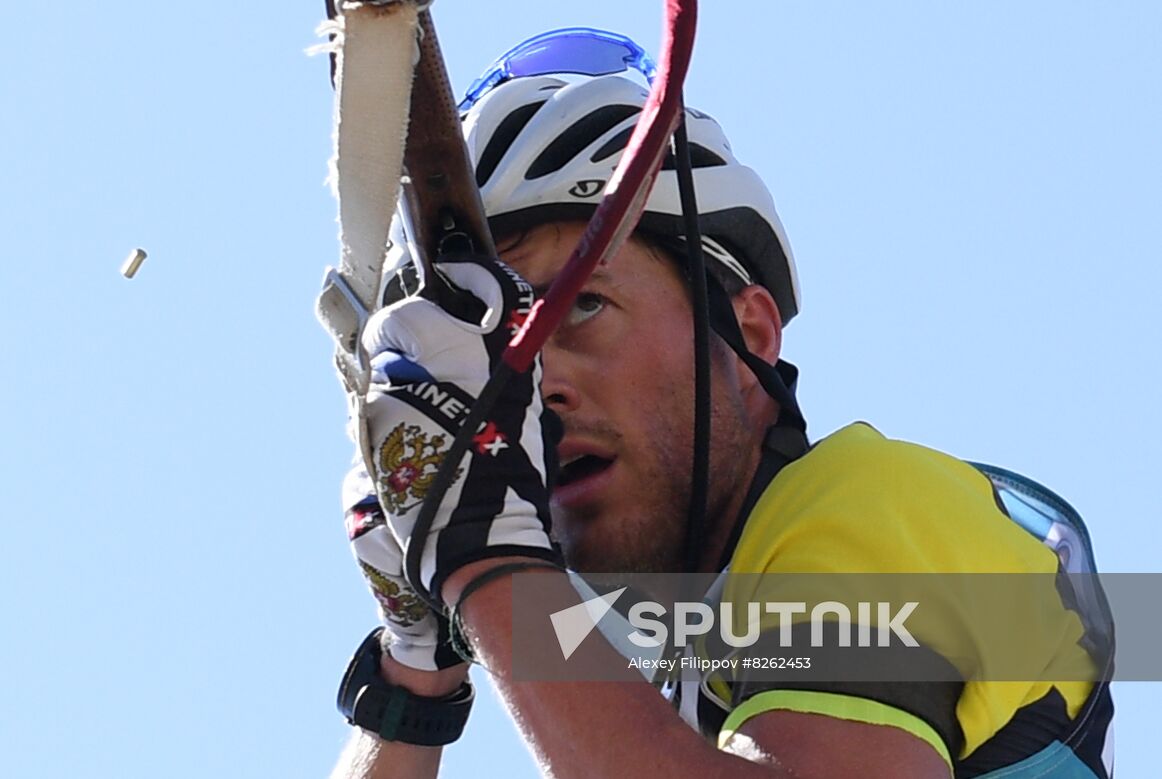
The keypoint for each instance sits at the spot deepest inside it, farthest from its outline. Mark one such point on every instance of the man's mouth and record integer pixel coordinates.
(581, 467)
(584, 474)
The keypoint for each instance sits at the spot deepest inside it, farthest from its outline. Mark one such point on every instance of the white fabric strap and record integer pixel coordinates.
(376, 51)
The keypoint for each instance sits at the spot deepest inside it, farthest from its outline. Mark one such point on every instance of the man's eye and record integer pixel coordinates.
(587, 305)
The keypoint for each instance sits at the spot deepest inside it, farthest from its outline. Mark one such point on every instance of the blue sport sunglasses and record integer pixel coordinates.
(581, 50)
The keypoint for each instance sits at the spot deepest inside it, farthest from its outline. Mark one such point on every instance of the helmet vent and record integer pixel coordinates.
(613, 145)
(700, 157)
(577, 137)
(501, 140)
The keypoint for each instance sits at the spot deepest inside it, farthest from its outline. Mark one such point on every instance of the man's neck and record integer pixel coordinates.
(721, 524)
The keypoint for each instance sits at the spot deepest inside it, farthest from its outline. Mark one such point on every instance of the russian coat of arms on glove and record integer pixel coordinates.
(396, 603)
(408, 461)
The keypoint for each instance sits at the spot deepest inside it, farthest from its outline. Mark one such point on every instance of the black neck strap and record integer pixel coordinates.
(778, 380)
(783, 442)
(781, 446)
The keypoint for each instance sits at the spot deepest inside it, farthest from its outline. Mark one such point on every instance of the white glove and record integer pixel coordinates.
(428, 367)
(418, 637)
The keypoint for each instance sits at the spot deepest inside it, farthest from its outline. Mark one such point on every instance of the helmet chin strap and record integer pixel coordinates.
(783, 442)
(700, 467)
(712, 308)
(777, 380)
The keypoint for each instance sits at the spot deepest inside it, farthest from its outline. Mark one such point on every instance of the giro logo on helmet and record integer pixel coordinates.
(586, 187)
(545, 147)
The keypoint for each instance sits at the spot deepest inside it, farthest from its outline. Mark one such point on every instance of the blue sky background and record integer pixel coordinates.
(972, 192)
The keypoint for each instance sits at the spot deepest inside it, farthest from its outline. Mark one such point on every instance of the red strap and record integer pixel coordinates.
(625, 197)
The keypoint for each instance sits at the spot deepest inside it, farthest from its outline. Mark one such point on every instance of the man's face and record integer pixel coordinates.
(619, 372)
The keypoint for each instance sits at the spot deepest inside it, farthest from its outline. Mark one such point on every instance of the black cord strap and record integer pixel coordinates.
(458, 640)
(700, 467)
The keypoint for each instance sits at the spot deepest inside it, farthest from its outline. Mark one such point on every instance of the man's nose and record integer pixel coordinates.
(557, 389)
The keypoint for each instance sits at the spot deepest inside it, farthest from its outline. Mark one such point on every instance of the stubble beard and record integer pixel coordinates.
(650, 536)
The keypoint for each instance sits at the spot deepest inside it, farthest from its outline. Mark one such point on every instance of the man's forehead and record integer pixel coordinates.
(600, 275)
(540, 254)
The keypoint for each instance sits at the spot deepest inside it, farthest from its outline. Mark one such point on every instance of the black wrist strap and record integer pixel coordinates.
(394, 713)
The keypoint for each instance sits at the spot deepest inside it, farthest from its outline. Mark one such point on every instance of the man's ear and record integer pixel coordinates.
(758, 317)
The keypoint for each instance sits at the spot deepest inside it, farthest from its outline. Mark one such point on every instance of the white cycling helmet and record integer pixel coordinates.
(544, 147)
